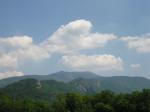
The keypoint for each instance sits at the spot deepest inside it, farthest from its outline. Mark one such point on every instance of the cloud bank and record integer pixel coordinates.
(135, 66)
(96, 63)
(10, 74)
(140, 44)
(16, 50)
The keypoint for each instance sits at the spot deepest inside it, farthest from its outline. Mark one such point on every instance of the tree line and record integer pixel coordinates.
(105, 101)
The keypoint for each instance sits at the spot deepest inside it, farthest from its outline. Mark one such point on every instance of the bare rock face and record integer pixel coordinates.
(39, 85)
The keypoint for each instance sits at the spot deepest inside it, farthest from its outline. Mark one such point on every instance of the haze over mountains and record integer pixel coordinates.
(64, 76)
(58, 76)
(46, 87)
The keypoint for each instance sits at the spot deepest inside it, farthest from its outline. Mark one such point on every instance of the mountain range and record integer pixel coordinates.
(46, 87)
(58, 76)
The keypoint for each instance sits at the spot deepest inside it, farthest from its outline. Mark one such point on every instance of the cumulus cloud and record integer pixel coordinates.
(96, 63)
(140, 44)
(68, 39)
(33, 52)
(76, 35)
(135, 66)
(7, 61)
(10, 74)
(16, 41)
(15, 50)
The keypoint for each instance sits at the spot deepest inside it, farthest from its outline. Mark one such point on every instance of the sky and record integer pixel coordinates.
(107, 37)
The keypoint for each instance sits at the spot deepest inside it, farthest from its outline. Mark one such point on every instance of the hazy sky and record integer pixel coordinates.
(108, 37)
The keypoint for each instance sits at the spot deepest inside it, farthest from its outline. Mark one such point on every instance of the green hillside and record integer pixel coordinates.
(40, 90)
(58, 76)
(49, 89)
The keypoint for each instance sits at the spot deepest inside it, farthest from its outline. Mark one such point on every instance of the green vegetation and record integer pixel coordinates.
(88, 81)
(76, 94)
(49, 89)
(58, 76)
(35, 89)
(106, 101)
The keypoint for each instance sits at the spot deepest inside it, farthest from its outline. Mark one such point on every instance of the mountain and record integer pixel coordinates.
(116, 84)
(58, 76)
(87, 84)
(39, 90)
(69, 76)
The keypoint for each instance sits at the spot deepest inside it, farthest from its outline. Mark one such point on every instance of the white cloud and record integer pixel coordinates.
(33, 52)
(10, 74)
(135, 66)
(95, 63)
(7, 61)
(71, 38)
(141, 44)
(76, 35)
(16, 41)
(18, 49)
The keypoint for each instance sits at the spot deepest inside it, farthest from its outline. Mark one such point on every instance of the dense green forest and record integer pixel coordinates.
(106, 101)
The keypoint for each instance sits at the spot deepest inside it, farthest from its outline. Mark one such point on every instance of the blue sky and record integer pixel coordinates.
(127, 20)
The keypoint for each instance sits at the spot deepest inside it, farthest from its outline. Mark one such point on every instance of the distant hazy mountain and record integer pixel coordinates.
(115, 83)
(58, 76)
(69, 76)
(83, 82)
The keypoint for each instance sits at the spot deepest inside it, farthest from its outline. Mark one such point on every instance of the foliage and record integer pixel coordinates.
(106, 101)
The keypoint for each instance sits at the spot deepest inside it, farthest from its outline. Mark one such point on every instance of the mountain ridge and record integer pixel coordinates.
(58, 76)
(64, 76)
(47, 88)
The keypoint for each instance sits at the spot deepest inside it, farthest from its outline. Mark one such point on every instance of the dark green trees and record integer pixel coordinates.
(105, 101)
